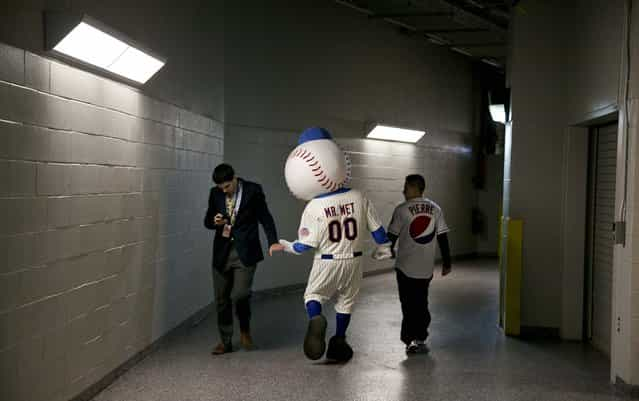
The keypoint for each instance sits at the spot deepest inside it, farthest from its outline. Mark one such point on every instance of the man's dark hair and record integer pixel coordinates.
(223, 173)
(416, 181)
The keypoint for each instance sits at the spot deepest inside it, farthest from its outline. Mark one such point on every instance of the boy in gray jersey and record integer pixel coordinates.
(416, 223)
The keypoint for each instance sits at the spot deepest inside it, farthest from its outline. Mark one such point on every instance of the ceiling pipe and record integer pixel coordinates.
(430, 36)
(412, 14)
(483, 14)
(453, 30)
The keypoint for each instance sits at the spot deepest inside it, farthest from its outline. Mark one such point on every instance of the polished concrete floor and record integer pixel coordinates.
(470, 359)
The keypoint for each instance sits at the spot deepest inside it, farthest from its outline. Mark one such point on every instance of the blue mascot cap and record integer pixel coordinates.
(312, 134)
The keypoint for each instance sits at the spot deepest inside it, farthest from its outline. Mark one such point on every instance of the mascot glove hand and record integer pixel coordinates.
(288, 247)
(383, 252)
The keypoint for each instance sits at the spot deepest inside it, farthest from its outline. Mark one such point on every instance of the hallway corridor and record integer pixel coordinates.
(470, 359)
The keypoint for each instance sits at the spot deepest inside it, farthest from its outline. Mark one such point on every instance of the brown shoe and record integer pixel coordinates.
(246, 341)
(221, 349)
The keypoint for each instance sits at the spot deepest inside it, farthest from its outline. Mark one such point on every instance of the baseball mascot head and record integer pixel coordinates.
(316, 166)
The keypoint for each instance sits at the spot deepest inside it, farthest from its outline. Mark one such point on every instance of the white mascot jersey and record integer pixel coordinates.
(336, 218)
(338, 224)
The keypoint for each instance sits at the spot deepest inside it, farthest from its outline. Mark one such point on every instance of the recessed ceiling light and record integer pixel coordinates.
(388, 133)
(498, 113)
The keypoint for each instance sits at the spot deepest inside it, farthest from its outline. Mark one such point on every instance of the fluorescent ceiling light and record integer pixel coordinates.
(92, 45)
(136, 65)
(498, 113)
(387, 133)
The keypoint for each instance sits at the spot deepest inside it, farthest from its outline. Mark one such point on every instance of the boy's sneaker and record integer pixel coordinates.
(422, 348)
(412, 348)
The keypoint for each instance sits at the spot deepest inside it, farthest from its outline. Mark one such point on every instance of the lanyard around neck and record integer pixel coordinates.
(238, 200)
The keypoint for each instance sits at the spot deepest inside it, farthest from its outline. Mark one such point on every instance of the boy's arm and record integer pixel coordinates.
(393, 239)
(442, 240)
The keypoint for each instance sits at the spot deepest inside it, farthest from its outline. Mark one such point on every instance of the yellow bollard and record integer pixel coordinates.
(510, 279)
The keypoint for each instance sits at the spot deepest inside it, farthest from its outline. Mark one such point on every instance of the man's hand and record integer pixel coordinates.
(275, 248)
(219, 219)
(446, 270)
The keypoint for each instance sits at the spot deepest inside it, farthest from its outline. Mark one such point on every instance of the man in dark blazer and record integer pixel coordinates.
(236, 206)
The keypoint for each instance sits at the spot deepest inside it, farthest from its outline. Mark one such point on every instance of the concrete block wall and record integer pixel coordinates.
(379, 169)
(102, 247)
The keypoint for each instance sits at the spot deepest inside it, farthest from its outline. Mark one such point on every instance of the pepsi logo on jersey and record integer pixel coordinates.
(421, 230)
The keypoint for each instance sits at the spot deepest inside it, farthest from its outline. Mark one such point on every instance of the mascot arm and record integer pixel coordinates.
(296, 248)
(384, 249)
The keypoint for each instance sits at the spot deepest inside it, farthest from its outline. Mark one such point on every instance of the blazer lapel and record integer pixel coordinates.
(221, 203)
(244, 195)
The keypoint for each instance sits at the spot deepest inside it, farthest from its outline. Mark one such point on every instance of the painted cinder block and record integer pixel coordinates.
(36, 318)
(9, 389)
(18, 178)
(9, 291)
(80, 301)
(157, 133)
(59, 211)
(113, 207)
(86, 148)
(44, 110)
(41, 282)
(37, 72)
(11, 64)
(13, 103)
(23, 142)
(53, 374)
(24, 250)
(158, 111)
(121, 97)
(4, 333)
(85, 179)
(76, 84)
(87, 209)
(91, 238)
(194, 122)
(23, 215)
(132, 128)
(116, 179)
(135, 179)
(217, 129)
(60, 147)
(111, 151)
(54, 179)
(59, 244)
(84, 269)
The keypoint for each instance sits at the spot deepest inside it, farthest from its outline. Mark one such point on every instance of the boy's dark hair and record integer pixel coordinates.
(416, 181)
(223, 173)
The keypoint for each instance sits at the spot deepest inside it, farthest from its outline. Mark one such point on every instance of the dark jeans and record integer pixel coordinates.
(233, 286)
(413, 295)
